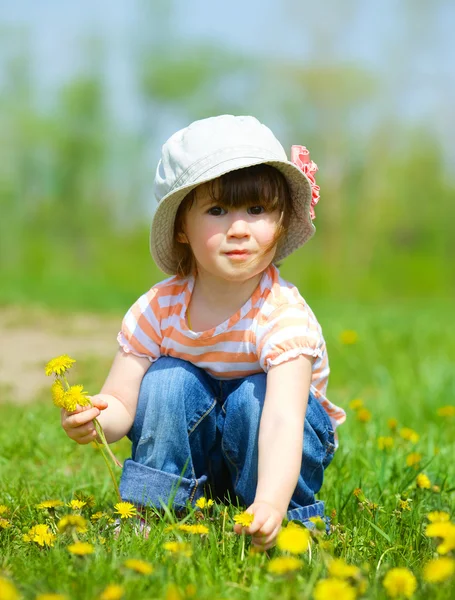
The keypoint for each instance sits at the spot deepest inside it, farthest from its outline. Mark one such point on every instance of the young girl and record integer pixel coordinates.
(222, 369)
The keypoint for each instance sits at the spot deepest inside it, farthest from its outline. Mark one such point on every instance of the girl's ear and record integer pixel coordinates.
(181, 237)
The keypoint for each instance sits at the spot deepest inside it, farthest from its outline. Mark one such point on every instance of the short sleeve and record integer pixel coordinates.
(141, 331)
(290, 331)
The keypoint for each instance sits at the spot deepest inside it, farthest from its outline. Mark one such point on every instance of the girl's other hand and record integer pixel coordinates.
(265, 527)
(79, 425)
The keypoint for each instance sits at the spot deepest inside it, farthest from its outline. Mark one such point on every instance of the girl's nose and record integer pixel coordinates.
(239, 225)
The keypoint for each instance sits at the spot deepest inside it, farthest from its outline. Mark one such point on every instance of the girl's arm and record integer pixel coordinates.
(117, 401)
(280, 448)
(281, 431)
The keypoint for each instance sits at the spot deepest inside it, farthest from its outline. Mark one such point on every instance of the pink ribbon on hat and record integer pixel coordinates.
(300, 156)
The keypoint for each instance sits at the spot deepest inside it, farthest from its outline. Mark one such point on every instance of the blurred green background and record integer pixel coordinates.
(88, 95)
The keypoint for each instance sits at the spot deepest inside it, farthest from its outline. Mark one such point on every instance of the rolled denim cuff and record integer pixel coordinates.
(144, 486)
(304, 513)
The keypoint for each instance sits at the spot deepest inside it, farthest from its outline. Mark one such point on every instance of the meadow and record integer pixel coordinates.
(388, 490)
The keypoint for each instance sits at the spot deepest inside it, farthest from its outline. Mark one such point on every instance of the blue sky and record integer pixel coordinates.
(412, 49)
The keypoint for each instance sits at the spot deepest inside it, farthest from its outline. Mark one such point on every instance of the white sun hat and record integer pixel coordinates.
(211, 147)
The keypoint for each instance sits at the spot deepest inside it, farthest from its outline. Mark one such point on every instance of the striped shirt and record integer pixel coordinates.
(274, 325)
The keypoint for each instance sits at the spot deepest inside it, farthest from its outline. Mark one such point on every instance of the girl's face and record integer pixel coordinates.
(229, 242)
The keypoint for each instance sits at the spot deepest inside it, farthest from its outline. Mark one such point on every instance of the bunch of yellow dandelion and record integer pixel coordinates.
(439, 570)
(294, 539)
(68, 397)
(400, 583)
(40, 534)
(4, 523)
(139, 566)
(284, 564)
(438, 516)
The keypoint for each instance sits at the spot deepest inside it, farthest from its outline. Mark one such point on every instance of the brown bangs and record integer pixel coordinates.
(260, 184)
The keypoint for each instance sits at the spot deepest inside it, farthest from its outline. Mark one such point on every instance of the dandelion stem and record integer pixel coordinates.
(114, 481)
(102, 437)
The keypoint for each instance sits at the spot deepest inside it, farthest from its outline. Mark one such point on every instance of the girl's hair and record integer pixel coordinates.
(261, 184)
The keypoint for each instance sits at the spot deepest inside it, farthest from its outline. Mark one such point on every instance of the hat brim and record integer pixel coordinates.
(300, 229)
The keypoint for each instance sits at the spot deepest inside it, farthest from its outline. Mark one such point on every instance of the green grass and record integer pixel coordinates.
(401, 366)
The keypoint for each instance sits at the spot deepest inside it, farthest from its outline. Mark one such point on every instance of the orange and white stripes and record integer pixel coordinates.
(274, 325)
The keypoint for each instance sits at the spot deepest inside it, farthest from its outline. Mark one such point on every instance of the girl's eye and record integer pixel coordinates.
(256, 210)
(216, 211)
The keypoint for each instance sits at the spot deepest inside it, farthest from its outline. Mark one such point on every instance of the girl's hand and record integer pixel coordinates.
(265, 527)
(79, 424)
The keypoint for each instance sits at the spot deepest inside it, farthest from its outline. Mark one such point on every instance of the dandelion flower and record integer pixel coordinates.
(392, 423)
(181, 548)
(72, 522)
(7, 590)
(423, 482)
(40, 534)
(173, 593)
(327, 589)
(76, 395)
(49, 504)
(112, 592)
(340, 569)
(385, 443)
(405, 504)
(59, 365)
(438, 516)
(58, 393)
(356, 404)
(363, 415)
(413, 459)
(194, 529)
(399, 583)
(76, 504)
(97, 516)
(244, 519)
(126, 510)
(4, 523)
(409, 435)
(294, 539)
(140, 566)
(204, 503)
(446, 411)
(348, 337)
(81, 548)
(3, 509)
(445, 531)
(284, 564)
(51, 597)
(438, 570)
